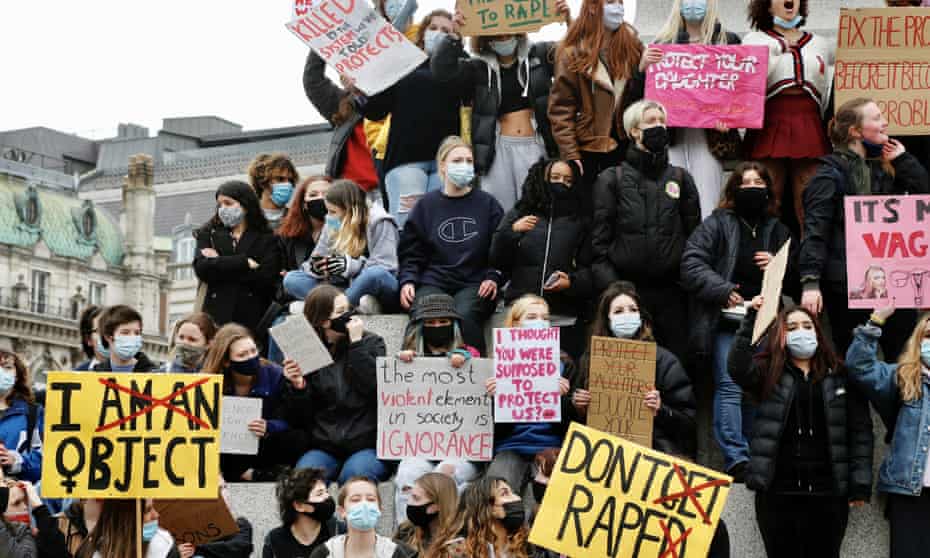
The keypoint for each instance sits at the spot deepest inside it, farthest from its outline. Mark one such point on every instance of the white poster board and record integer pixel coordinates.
(299, 342)
(235, 436)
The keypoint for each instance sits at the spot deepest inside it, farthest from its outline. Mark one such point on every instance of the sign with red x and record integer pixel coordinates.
(609, 497)
(131, 435)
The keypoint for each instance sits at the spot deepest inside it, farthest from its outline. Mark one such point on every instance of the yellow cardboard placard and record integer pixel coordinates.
(609, 497)
(131, 435)
(500, 17)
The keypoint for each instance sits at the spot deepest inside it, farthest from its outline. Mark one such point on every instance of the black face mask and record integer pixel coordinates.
(315, 208)
(655, 139)
(561, 192)
(322, 511)
(339, 323)
(419, 516)
(539, 490)
(751, 202)
(248, 367)
(438, 337)
(514, 516)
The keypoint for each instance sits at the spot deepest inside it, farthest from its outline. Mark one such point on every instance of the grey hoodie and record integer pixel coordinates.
(382, 237)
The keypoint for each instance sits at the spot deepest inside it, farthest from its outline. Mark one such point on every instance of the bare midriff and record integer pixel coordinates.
(517, 124)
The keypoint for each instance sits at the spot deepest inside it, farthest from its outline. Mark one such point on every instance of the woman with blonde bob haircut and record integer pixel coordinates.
(432, 509)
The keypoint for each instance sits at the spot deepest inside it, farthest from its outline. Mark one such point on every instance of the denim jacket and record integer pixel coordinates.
(902, 471)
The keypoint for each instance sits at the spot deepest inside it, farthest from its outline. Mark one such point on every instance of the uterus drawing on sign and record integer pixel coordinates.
(901, 278)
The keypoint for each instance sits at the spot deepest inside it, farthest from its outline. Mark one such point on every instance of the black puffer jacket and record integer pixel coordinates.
(339, 404)
(823, 244)
(644, 211)
(480, 76)
(560, 244)
(849, 423)
(675, 428)
(326, 96)
(707, 268)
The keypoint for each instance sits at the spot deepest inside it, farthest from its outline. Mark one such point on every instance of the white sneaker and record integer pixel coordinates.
(369, 305)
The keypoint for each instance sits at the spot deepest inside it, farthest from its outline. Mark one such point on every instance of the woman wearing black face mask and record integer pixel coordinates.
(306, 510)
(432, 509)
(645, 209)
(544, 245)
(722, 267)
(495, 523)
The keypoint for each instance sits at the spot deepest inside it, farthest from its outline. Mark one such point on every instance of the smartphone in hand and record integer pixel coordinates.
(552, 280)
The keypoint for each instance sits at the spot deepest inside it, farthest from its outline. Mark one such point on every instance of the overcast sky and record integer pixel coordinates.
(84, 67)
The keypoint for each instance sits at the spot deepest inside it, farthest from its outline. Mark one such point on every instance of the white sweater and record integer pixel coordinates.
(808, 65)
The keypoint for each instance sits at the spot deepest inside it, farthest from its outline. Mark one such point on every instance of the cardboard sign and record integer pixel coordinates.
(196, 521)
(352, 38)
(700, 85)
(499, 17)
(300, 342)
(884, 54)
(131, 435)
(886, 251)
(527, 367)
(238, 412)
(609, 497)
(620, 373)
(430, 410)
(772, 280)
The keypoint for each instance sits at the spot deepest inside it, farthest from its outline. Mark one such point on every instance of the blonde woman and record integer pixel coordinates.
(357, 251)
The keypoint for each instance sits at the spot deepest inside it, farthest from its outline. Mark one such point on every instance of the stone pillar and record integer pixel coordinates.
(20, 294)
(142, 289)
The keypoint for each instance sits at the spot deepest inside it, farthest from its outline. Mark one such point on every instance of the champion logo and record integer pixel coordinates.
(458, 229)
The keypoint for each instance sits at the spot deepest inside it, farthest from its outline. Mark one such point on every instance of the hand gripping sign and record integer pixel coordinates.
(131, 435)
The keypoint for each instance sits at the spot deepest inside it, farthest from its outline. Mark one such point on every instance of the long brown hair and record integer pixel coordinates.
(318, 306)
(441, 490)
(115, 531)
(736, 181)
(601, 325)
(910, 366)
(477, 511)
(22, 386)
(352, 237)
(295, 223)
(587, 36)
(217, 359)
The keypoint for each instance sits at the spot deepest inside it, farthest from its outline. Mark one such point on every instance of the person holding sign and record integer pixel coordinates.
(722, 267)
(494, 523)
(121, 334)
(22, 423)
(190, 341)
(510, 78)
(306, 510)
(811, 450)
(865, 161)
(115, 533)
(901, 394)
(433, 509)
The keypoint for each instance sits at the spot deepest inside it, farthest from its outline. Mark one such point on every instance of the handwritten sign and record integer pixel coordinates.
(131, 435)
(884, 54)
(620, 373)
(701, 85)
(196, 521)
(498, 17)
(527, 366)
(609, 497)
(301, 8)
(300, 342)
(352, 38)
(238, 412)
(428, 409)
(886, 251)
(772, 281)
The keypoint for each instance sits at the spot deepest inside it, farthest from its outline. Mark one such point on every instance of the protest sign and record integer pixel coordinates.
(620, 373)
(301, 8)
(499, 17)
(527, 367)
(430, 410)
(131, 435)
(609, 497)
(884, 54)
(886, 250)
(357, 42)
(300, 342)
(772, 280)
(238, 412)
(196, 521)
(701, 85)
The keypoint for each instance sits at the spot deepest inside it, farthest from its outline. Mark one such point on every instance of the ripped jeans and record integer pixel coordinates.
(406, 184)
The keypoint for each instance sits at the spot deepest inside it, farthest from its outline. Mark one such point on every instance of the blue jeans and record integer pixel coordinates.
(274, 351)
(374, 280)
(364, 463)
(732, 415)
(406, 184)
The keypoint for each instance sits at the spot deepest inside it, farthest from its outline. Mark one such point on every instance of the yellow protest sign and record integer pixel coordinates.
(609, 497)
(499, 17)
(131, 435)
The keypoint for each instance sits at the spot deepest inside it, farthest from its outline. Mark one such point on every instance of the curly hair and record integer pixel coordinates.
(477, 508)
(262, 166)
(761, 20)
(536, 198)
(424, 24)
(295, 487)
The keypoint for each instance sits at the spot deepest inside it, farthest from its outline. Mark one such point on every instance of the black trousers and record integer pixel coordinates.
(801, 526)
(910, 525)
(843, 320)
(667, 305)
(594, 164)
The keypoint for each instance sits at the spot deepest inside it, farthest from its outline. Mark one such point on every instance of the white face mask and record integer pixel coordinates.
(431, 40)
(613, 16)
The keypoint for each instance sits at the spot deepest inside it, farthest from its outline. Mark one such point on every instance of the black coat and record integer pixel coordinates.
(451, 62)
(707, 268)
(823, 244)
(233, 546)
(644, 211)
(849, 424)
(674, 430)
(562, 243)
(236, 293)
(326, 97)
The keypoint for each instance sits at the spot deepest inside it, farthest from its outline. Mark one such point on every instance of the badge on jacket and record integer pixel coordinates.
(673, 190)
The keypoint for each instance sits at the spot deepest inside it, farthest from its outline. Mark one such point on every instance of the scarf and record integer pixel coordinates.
(860, 175)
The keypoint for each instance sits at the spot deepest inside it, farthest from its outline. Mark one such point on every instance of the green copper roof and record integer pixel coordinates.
(58, 219)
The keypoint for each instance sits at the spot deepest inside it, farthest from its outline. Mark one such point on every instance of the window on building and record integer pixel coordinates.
(40, 290)
(183, 256)
(98, 294)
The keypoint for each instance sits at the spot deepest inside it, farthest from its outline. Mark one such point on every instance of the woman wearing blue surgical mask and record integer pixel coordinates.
(811, 448)
(115, 532)
(21, 419)
(445, 245)
(900, 393)
(671, 400)
(510, 78)
(121, 336)
(273, 176)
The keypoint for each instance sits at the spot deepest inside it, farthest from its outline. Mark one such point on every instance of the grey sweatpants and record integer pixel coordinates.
(513, 158)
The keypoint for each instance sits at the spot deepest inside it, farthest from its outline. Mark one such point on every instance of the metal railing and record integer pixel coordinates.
(41, 305)
(181, 271)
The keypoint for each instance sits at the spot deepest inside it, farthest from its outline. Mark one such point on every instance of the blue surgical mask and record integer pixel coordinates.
(504, 48)
(872, 150)
(538, 323)
(460, 174)
(333, 222)
(925, 352)
(392, 9)
(625, 325)
(230, 216)
(127, 346)
(7, 380)
(149, 530)
(101, 349)
(693, 10)
(613, 16)
(363, 516)
(431, 40)
(788, 24)
(281, 193)
(801, 343)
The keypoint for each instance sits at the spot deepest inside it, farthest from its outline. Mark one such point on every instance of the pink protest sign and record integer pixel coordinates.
(701, 85)
(527, 368)
(886, 251)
